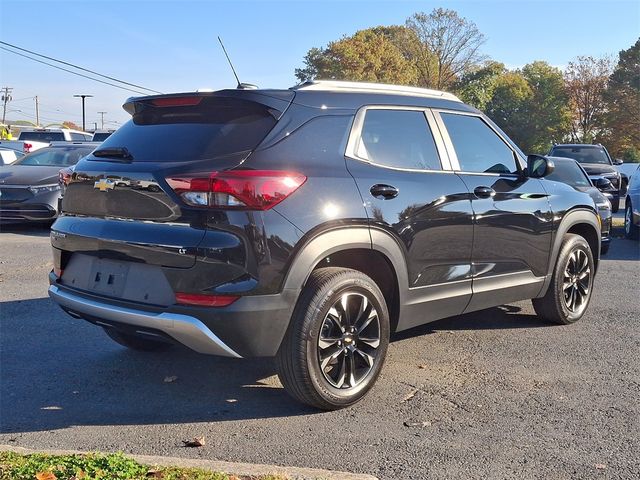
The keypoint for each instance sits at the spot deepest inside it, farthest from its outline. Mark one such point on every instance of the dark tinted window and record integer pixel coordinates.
(43, 136)
(398, 138)
(214, 127)
(582, 154)
(570, 173)
(101, 136)
(55, 156)
(77, 137)
(478, 147)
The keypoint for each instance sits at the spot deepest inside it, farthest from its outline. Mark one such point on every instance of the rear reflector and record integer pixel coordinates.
(205, 300)
(237, 189)
(176, 101)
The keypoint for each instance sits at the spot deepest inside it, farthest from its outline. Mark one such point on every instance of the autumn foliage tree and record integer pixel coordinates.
(449, 45)
(622, 99)
(586, 81)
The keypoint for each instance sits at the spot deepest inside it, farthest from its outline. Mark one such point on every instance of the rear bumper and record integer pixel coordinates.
(252, 326)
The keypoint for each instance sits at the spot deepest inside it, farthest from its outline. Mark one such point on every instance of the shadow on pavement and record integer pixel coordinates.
(30, 229)
(505, 316)
(56, 372)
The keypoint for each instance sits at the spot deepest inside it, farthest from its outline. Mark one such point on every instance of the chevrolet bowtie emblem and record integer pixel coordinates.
(104, 184)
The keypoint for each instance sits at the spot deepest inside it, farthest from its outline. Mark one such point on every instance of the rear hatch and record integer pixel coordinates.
(118, 203)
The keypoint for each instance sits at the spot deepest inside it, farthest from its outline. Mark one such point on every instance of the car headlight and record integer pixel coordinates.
(37, 189)
(604, 205)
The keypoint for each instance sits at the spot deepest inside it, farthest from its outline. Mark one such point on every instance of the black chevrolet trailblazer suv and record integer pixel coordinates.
(310, 224)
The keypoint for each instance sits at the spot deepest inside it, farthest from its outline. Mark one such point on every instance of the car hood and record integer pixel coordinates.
(598, 168)
(594, 193)
(28, 175)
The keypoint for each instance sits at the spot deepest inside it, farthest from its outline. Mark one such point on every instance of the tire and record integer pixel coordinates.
(568, 295)
(137, 342)
(615, 205)
(630, 230)
(329, 359)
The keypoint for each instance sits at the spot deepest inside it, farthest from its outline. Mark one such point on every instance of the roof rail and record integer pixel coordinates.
(341, 86)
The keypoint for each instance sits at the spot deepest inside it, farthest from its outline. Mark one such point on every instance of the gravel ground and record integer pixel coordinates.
(494, 394)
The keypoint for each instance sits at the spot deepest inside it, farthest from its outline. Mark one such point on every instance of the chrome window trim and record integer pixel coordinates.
(453, 157)
(355, 136)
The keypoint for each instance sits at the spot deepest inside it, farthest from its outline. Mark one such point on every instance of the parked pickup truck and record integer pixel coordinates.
(23, 145)
(34, 139)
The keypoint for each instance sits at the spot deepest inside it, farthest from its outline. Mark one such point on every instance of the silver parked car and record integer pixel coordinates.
(632, 206)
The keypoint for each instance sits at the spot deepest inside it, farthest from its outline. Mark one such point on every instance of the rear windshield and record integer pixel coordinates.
(55, 156)
(582, 154)
(42, 136)
(216, 126)
(570, 173)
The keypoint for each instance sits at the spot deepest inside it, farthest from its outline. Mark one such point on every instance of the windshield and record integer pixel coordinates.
(211, 128)
(582, 154)
(570, 173)
(55, 156)
(42, 136)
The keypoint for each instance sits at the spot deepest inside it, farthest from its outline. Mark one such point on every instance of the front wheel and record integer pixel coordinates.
(337, 341)
(630, 230)
(571, 285)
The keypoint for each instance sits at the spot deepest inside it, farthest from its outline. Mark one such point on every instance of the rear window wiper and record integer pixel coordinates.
(117, 153)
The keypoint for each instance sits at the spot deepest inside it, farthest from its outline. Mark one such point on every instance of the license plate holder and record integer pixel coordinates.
(108, 277)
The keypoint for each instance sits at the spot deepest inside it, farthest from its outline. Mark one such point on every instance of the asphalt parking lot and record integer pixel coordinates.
(494, 394)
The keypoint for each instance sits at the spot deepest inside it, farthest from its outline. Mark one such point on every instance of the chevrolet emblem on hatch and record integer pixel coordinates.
(104, 184)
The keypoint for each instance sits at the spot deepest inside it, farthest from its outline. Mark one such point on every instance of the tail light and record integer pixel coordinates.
(237, 189)
(27, 147)
(205, 300)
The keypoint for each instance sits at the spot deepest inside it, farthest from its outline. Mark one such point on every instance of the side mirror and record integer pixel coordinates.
(539, 166)
(617, 161)
(601, 183)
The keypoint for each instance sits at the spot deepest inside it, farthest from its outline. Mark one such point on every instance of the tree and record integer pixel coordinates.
(71, 125)
(368, 55)
(622, 99)
(449, 46)
(476, 87)
(586, 81)
(549, 117)
(509, 107)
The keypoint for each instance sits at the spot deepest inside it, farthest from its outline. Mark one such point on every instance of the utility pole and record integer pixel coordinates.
(6, 98)
(37, 111)
(83, 96)
(102, 119)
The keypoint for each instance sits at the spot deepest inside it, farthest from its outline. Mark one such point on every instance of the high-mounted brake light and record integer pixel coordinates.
(205, 300)
(237, 189)
(176, 101)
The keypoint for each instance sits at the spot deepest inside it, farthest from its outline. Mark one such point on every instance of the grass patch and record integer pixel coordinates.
(98, 466)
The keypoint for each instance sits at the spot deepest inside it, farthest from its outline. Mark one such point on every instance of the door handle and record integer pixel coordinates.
(384, 192)
(484, 192)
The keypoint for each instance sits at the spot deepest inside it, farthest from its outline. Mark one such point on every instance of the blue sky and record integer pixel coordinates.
(171, 45)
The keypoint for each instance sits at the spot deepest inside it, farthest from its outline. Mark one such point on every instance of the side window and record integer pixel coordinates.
(77, 137)
(478, 147)
(398, 138)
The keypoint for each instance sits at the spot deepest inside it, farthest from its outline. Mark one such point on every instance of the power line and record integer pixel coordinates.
(72, 72)
(78, 67)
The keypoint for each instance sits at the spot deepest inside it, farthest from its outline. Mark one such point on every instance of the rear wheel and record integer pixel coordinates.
(337, 341)
(570, 290)
(630, 230)
(137, 342)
